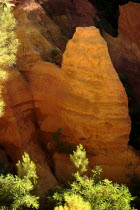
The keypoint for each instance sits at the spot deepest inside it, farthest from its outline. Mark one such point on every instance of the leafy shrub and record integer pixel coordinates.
(26, 168)
(79, 159)
(64, 38)
(95, 193)
(61, 146)
(74, 202)
(16, 192)
(8, 41)
(54, 52)
(8, 44)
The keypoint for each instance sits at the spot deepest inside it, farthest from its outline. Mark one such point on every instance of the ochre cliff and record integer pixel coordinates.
(87, 101)
(38, 35)
(45, 27)
(84, 97)
(18, 130)
(125, 49)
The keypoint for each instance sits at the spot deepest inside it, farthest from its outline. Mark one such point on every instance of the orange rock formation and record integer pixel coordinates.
(18, 130)
(125, 49)
(86, 99)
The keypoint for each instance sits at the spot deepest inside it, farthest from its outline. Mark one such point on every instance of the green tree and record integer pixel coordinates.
(27, 168)
(8, 41)
(8, 45)
(16, 192)
(79, 159)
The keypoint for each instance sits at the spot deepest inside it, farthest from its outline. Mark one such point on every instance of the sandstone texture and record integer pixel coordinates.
(69, 14)
(86, 99)
(125, 49)
(18, 130)
(38, 36)
(45, 27)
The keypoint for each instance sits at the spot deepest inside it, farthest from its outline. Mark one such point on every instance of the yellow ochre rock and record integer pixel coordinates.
(87, 100)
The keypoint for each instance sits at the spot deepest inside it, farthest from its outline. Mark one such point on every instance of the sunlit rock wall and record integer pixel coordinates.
(86, 99)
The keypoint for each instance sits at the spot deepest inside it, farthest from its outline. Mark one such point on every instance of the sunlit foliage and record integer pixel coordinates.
(8, 45)
(8, 41)
(15, 191)
(92, 192)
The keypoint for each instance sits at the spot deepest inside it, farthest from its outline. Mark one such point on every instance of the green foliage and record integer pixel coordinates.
(79, 159)
(27, 168)
(54, 52)
(61, 146)
(8, 41)
(8, 44)
(74, 202)
(64, 38)
(56, 135)
(15, 193)
(102, 195)
(93, 192)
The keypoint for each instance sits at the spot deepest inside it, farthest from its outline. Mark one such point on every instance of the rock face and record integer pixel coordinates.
(45, 27)
(18, 130)
(125, 49)
(84, 97)
(87, 101)
(70, 14)
(38, 35)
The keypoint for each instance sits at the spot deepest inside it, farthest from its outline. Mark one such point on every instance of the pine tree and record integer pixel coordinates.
(8, 44)
(16, 192)
(8, 41)
(27, 168)
(79, 159)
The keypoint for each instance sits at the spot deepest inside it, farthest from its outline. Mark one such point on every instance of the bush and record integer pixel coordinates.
(61, 146)
(74, 202)
(79, 159)
(8, 41)
(8, 45)
(54, 52)
(93, 192)
(26, 168)
(16, 192)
